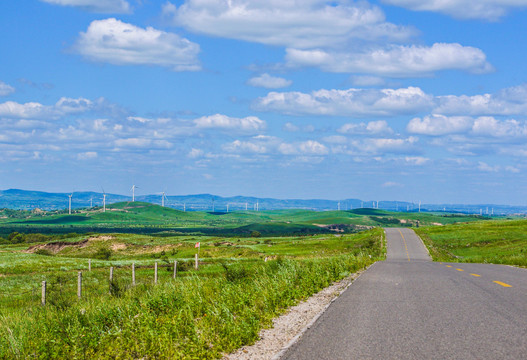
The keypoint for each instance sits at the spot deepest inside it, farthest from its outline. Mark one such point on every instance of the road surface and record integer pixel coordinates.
(409, 307)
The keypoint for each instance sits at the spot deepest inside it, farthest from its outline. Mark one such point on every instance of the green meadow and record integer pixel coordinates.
(497, 242)
(252, 267)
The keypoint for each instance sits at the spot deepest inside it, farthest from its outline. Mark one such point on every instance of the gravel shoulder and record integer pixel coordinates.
(292, 324)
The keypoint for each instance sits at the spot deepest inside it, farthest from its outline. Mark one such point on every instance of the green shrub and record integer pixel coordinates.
(103, 253)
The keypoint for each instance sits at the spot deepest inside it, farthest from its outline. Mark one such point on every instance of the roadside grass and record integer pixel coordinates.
(497, 242)
(201, 314)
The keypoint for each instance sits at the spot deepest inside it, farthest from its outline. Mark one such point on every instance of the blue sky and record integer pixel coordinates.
(393, 99)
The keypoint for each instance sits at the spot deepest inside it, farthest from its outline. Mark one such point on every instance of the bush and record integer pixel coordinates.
(255, 234)
(103, 254)
(44, 252)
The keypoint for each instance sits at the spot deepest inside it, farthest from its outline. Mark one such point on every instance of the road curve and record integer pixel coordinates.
(409, 307)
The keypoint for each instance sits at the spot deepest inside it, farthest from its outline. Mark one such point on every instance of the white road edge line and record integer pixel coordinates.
(294, 340)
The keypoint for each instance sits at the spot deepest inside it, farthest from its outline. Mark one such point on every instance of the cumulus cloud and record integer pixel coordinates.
(88, 155)
(439, 125)
(98, 6)
(64, 106)
(6, 89)
(351, 102)
(416, 160)
(115, 42)
(372, 127)
(463, 9)
(290, 23)
(396, 60)
(309, 147)
(269, 82)
(484, 126)
(387, 145)
(508, 101)
(219, 121)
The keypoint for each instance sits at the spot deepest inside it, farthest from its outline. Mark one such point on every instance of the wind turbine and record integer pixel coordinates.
(133, 192)
(103, 200)
(69, 208)
(163, 197)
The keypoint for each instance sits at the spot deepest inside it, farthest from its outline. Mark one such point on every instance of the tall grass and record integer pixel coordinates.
(188, 318)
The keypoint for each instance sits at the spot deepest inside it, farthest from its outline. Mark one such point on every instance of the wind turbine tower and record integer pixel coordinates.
(163, 199)
(133, 192)
(103, 202)
(69, 207)
(338, 206)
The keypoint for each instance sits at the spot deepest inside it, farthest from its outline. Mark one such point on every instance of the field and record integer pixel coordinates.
(497, 242)
(253, 266)
(241, 284)
(145, 218)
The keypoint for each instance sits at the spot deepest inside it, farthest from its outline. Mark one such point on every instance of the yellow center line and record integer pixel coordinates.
(502, 284)
(460, 270)
(476, 275)
(406, 247)
(448, 266)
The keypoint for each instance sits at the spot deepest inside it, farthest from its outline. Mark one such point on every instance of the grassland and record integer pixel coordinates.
(497, 242)
(147, 218)
(241, 285)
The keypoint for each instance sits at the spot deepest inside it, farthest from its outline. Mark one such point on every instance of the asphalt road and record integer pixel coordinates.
(409, 307)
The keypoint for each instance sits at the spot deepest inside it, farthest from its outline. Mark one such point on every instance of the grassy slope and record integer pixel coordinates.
(200, 315)
(498, 242)
(130, 217)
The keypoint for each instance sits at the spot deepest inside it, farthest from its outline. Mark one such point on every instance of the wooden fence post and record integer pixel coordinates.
(175, 268)
(89, 264)
(43, 293)
(196, 261)
(111, 280)
(79, 285)
(133, 274)
(155, 273)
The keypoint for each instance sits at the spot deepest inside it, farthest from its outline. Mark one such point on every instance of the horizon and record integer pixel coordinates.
(378, 99)
(344, 202)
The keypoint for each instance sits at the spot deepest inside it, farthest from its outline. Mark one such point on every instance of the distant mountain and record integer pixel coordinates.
(28, 200)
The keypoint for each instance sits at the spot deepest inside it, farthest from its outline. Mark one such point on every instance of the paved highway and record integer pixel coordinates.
(409, 307)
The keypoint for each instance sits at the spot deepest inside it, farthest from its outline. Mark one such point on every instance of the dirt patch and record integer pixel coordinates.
(437, 224)
(116, 247)
(292, 323)
(56, 246)
(101, 238)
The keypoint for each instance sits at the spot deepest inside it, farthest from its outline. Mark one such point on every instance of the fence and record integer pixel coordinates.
(59, 289)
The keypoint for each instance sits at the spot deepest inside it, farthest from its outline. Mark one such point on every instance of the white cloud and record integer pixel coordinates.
(6, 89)
(309, 147)
(489, 126)
(88, 155)
(416, 160)
(351, 102)
(372, 127)
(386, 145)
(218, 121)
(115, 42)
(195, 153)
(98, 6)
(290, 23)
(508, 101)
(463, 9)
(396, 60)
(269, 82)
(290, 127)
(439, 125)
(484, 126)
(244, 147)
(36, 110)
